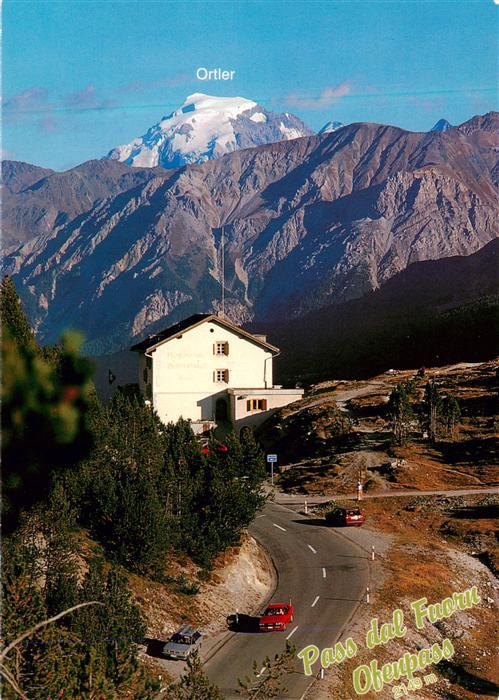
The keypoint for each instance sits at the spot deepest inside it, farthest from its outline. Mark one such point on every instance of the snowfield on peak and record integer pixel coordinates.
(205, 128)
(331, 126)
(442, 125)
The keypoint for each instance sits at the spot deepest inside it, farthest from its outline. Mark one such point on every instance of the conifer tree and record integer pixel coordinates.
(451, 412)
(110, 633)
(92, 680)
(400, 411)
(55, 665)
(14, 321)
(432, 410)
(43, 420)
(182, 478)
(228, 498)
(124, 628)
(22, 607)
(47, 539)
(269, 682)
(138, 532)
(120, 486)
(194, 684)
(133, 434)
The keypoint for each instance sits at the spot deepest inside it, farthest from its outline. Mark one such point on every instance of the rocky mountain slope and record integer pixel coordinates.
(433, 312)
(205, 128)
(16, 175)
(38, 201)
(307, 222)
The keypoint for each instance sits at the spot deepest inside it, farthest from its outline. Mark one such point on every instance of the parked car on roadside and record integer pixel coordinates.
(181, 644)
(345, 516)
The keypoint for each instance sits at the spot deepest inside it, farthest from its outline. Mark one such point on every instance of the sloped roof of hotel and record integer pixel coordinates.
(186, 324)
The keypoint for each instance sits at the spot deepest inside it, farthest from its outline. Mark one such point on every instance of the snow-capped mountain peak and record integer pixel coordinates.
(442, 125)
(205, 127)
(209, 105)
(330, 127)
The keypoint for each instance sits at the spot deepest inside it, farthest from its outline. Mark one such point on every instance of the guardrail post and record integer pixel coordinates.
(372, 552)
(367, 595)
(306, 509)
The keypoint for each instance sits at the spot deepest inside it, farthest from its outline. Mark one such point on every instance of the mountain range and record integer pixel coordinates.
(121, 251)
(206, 127)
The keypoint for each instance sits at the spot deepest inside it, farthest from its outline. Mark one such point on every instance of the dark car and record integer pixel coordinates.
(345, 516)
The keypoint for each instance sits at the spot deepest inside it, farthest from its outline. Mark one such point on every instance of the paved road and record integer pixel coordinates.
(324, 574)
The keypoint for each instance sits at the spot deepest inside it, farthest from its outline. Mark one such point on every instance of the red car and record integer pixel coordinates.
(276, 617)
(345, 516)
(220, 447)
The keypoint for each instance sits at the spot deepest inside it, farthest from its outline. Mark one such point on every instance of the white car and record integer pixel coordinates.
(181, 645)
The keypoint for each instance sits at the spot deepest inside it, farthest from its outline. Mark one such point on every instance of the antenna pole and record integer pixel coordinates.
(222, 241)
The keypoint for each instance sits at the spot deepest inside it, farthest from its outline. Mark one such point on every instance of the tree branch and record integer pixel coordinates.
(44, 623)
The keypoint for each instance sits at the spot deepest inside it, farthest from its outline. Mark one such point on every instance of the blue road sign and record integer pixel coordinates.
(271, 458)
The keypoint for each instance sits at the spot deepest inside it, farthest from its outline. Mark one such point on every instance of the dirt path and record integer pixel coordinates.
(287, 499)
(343, 396)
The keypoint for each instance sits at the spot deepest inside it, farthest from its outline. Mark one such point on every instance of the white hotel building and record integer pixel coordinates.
(211, 372)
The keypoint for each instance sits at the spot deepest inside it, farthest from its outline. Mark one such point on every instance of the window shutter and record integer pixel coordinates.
(214, 348)
(227, 376)
(215, 375)
(226, 348)
(264, 404)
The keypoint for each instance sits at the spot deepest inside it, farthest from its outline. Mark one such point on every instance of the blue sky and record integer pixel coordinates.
(80, 76)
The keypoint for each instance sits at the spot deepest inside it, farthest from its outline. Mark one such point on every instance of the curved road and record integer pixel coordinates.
(324, 574)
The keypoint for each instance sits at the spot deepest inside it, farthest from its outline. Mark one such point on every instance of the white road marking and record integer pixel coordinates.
(292, 632)
(280, 528)
(323, 572)
(310, 547)
(315, 601)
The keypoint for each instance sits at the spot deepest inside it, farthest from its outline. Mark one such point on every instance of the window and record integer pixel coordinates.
(221, 347)
(222, 375)
(256, 405)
